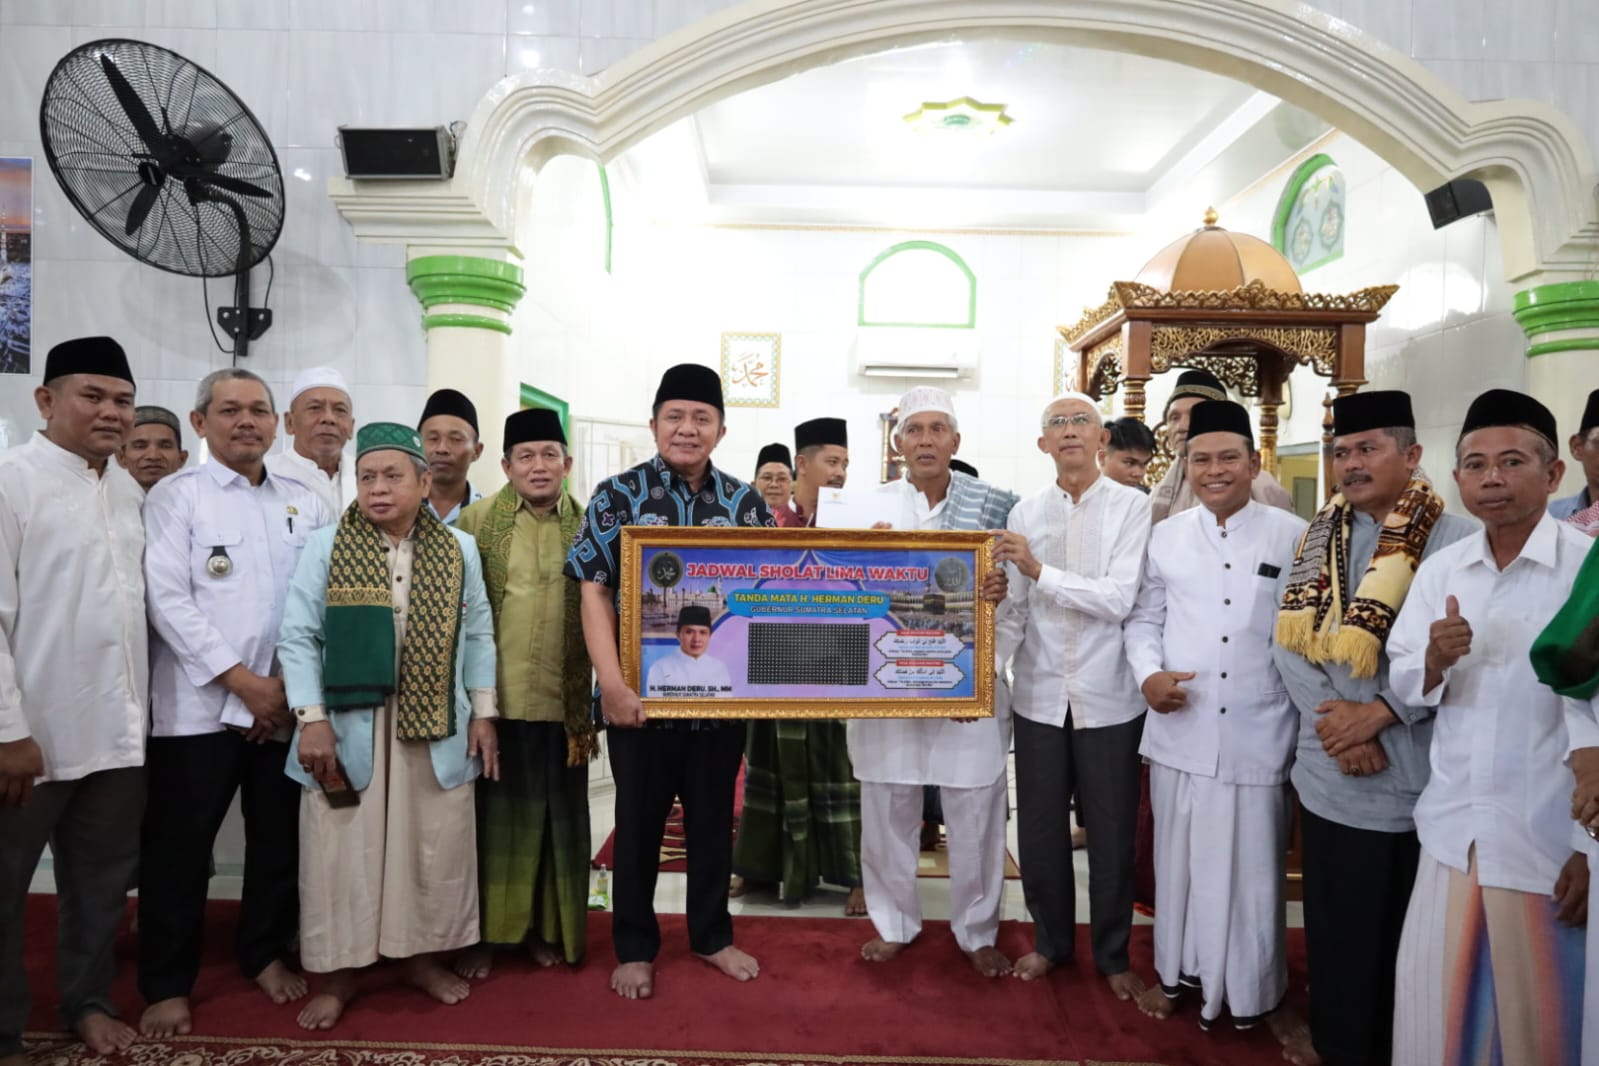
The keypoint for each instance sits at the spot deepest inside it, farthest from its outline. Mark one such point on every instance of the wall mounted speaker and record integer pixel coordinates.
(1452, 202)
(371, 154)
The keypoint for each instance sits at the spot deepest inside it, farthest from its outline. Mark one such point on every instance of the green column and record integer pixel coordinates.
(491, 286)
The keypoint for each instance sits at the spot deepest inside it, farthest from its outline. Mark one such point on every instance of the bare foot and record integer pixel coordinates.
(1032, 966)
(738, 886)
(544, 954)
(930, 836)
(326, 1007)
(1079, 838)
(634, 980)
(1155, 1003)
(281, 984)
(1126, 985)
(855, 905)
(739, 965)
(167, 1017)
(474, 963)
(1293, 1033)
(989, 961)
(879, 950)
(103, 1034)
(424, 972)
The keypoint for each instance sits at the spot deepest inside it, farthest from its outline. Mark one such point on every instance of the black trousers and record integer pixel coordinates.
(653, 766)
(1357, 885)
(92, 827)
(192, 781)
(1101, 767)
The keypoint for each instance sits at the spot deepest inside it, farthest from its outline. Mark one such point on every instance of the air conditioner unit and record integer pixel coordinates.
(916, 352)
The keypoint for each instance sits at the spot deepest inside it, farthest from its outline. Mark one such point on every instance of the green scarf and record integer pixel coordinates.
(358, 649)
(494, 544)
(1566, 654)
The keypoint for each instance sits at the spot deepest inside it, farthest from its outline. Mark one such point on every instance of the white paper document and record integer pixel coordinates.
(855, 508)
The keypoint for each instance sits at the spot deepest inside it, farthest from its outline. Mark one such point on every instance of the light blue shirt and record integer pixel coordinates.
(1567, 506)
(472, 496)
(300, 651)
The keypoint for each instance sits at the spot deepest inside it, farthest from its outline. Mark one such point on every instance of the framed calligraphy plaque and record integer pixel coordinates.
(751, 367)
(807, 623)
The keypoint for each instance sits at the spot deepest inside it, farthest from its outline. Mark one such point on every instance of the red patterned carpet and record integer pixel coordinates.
(816, 1003)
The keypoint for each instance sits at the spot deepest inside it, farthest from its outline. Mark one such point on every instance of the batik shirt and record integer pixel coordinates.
(651, 494)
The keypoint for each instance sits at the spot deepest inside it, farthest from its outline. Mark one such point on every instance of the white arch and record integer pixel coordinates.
(1534, 161)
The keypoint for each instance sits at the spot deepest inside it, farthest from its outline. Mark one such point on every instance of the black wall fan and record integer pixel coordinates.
(167, 163)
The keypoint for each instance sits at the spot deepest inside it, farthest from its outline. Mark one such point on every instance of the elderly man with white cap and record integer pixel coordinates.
(895, 758)
(320, 421)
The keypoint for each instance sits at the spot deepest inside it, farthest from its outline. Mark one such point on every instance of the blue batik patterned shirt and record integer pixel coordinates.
(651, 494)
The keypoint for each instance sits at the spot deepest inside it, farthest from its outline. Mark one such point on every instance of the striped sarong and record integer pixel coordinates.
(801, 822)
(533, 841)
(1486, 976)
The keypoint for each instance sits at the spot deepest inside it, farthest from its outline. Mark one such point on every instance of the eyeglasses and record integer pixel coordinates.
(1079, 420)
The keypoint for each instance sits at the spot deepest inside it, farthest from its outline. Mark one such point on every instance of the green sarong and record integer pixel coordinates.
(533, 841)
(801, 821)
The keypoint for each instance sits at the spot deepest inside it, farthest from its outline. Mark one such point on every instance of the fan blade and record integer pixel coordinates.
(134, 107)
(222, 181)
(141, 208)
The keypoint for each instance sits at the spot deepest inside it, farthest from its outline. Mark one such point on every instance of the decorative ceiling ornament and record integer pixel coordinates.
(964, 115)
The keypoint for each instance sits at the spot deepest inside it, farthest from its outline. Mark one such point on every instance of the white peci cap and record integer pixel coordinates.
(924, 398)
(317, 377)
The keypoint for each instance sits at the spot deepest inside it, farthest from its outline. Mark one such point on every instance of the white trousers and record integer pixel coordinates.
(974, 819)
(1220, 910)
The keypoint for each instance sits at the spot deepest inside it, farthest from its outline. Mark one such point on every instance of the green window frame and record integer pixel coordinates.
(921, 246)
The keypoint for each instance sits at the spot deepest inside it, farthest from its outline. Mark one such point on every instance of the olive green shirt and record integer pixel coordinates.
(529, 637)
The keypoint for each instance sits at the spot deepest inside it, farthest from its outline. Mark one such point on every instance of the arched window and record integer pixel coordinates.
(918, 283)
(1308, 226)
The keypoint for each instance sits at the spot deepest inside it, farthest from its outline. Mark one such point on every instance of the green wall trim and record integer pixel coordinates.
(1558, 306)
(465, 279)
(605, 197)
(926, 246)
(1569, 344)
(461, 320)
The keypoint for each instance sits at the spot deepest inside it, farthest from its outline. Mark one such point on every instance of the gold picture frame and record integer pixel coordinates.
(927, 629)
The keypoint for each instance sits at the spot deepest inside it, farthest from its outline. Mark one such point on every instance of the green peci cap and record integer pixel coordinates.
(378, 436)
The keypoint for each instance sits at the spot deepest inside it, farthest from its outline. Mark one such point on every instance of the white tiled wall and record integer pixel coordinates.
(306, 66)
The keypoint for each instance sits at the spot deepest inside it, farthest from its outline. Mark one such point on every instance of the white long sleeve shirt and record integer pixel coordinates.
(930, 751)
(74, 652)
(335, 492)
(1063, 632)
(683, 675)
(1499, 739)
(1208, 605)
(204, 622)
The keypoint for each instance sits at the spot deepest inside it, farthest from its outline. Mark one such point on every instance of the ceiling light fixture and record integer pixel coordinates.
(963, 115)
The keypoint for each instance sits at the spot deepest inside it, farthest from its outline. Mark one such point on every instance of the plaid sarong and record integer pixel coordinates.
(801, 822)
(533, 841)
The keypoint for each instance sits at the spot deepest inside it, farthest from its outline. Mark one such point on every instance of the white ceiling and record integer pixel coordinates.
(1100, 141)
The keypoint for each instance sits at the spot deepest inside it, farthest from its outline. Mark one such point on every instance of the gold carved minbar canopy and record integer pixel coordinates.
(1232, 304)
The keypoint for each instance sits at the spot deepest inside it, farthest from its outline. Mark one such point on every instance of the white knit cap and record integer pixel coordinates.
(924, 398)
(318, 377)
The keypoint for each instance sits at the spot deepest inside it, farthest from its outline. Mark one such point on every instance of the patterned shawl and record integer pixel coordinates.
(494, 544)
(358, 649)
(1320, 620)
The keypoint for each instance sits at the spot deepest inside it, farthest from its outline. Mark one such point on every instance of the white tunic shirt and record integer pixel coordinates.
(1209, 605)
(930, 751)
(74, 652)
(206, 623)
(681, 674)
(1065, 629)
(335, 492)
(1499, 737)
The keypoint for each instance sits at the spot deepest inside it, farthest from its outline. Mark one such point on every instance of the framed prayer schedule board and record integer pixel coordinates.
(723, 622)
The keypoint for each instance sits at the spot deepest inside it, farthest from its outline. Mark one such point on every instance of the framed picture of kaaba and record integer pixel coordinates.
(807, 623)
